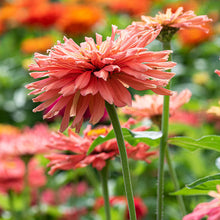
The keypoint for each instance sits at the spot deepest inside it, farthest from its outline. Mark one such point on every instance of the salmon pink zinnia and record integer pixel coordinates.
(78, 147)
(211, 209)
(179, 19)
(92, 73)
(149, 106)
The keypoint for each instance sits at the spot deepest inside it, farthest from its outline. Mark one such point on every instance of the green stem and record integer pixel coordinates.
(175, 182)
(124, 159)
(164, 150)
(26, 191)
(163, 145)
(11, 204)
(104, 180)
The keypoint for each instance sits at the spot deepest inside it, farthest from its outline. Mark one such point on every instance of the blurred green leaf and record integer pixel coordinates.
(210, 142)
(201, 186)
(148, 137)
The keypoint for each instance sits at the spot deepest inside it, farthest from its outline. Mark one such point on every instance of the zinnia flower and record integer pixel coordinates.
(12, 174)
(30, 142)
(92, 73)
(140, 207)
(218, 72)
(207, 209)
(79, 146)
(149, 106)
(179, 19)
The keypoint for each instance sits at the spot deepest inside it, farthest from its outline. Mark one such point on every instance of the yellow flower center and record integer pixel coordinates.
(97, 132)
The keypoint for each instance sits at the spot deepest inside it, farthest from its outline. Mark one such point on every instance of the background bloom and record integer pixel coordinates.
(92, 73)
(148, 106)
(178, 19)
(78, 146)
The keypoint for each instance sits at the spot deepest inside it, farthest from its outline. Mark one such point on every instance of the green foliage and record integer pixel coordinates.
(200, 186)
(210, 142)
(148, 137)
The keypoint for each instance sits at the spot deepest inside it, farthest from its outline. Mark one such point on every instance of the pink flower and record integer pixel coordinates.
(218, 72)
(179, 19)
(186, 117)
(36, 176)
(30, 142)
(149, 106)
(80, 145)
(60, 196)
(207, 209)
(92, 73)
(11, 174)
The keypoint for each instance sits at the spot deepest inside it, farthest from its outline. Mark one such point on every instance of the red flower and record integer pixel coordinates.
(38, 13)
(80, 145)
(92, 73)
(140, 207)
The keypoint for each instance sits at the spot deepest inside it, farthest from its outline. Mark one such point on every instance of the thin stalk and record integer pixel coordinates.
(124, 159)
(26, 191)
(163, 145)
(175, 182)
(164, 151)
(104, 180)
(11, 204)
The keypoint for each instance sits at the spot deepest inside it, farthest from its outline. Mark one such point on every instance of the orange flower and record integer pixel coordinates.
(79, 146)
(40, 44)
(79, 19)
(193, 36)
(149, 106)
(132, 7)
(92, 73)
(6, 129)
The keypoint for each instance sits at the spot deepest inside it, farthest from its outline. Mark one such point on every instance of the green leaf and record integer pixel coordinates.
(201, 186)
(210, 142)
(148, 137)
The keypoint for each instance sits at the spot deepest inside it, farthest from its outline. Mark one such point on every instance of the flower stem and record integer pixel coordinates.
(124, 159)
(11, 204)
(165, 151)
(163, 145)
(175, 182)
(104, 180)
